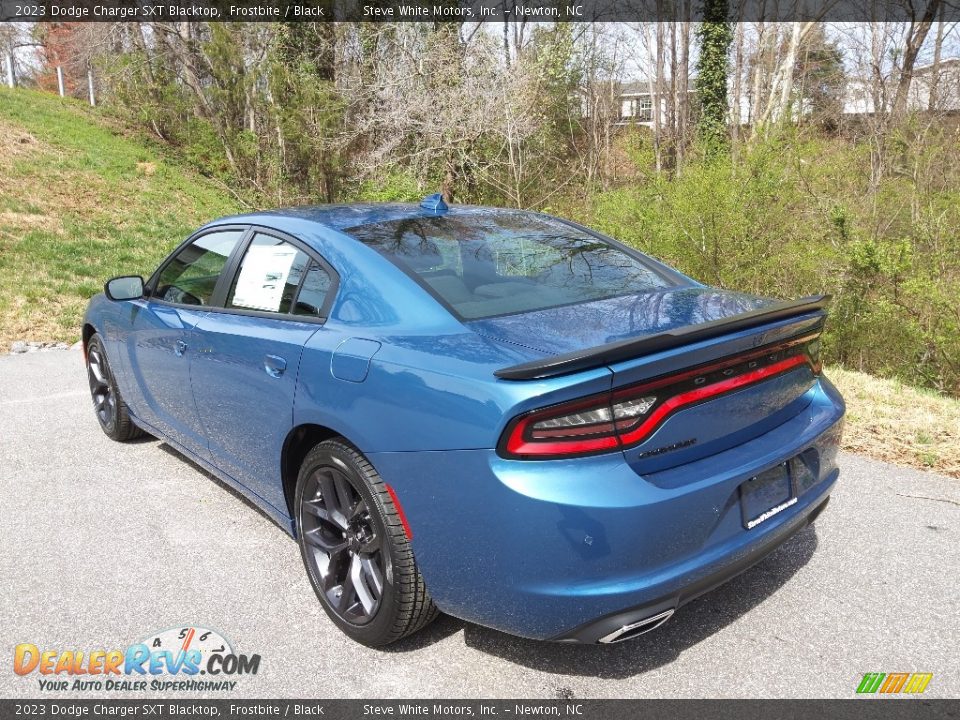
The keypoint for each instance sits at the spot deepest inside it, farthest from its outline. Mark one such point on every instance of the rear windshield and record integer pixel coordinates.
(505, 263)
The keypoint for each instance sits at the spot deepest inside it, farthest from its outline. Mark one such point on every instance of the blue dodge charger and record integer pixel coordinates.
(496, 414)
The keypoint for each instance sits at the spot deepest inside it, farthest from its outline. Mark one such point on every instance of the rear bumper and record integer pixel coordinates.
(652, 615)
(574, 549)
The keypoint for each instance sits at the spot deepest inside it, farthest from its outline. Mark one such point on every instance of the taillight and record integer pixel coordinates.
(576, 428)
(628, 416)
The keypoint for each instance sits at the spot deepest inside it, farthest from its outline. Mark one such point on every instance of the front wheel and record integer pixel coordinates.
(355, 550)
(111, 410)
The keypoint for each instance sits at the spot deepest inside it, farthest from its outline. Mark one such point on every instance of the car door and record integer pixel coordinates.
(163, 334)
(244, 374)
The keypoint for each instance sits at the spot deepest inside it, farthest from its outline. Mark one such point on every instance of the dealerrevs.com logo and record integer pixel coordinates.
(185, 659)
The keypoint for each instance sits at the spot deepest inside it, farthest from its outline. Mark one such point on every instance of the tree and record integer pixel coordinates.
(820, 78)
(916, 33)
(715, 36)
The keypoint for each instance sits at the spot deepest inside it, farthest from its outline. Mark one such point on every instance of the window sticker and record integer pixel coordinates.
(263, 276)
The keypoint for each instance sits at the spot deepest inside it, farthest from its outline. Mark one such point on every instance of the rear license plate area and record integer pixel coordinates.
(766, 495)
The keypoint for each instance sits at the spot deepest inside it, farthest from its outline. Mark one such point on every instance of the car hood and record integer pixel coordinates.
(577, 327)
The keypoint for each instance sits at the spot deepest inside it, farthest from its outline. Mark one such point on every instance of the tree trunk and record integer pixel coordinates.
(915, 37)
(737, 86)
(506, 44)
(933, 90)
(657, 96)
(780, 101)
(683, 101)
(713, 69)
(671, 102)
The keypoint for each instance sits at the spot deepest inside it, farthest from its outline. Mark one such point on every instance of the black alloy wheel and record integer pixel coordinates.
(355, 549)
(111, 410)
(101, 385)
(344, 541)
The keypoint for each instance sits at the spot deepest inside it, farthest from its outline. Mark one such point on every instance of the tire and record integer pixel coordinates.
(355, 550)
(108, 405)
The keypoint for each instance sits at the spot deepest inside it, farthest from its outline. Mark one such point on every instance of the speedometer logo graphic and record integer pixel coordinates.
(184, 639)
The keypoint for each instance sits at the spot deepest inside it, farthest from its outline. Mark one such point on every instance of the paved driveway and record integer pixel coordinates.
(103, 543)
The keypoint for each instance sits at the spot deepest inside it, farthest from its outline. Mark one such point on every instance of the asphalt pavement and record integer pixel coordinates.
(104, 543)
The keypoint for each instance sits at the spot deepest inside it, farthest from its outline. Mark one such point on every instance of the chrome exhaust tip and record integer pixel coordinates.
(628, 632)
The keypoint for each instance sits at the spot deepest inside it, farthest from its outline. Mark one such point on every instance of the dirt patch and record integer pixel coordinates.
(16, 221)
(15, 142)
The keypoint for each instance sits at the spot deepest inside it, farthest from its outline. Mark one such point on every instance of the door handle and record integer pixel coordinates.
(274, 365)
(179, 348)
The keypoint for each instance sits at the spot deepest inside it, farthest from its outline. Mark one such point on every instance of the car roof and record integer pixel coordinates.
(343, 216)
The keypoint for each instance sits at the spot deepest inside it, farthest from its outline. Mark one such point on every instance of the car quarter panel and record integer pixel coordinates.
(421, 392)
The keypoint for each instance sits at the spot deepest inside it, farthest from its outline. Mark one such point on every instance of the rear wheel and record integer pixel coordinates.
(108, 405)
(355, 550)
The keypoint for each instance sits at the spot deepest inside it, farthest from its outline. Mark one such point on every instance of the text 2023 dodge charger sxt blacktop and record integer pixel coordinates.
(496, 414)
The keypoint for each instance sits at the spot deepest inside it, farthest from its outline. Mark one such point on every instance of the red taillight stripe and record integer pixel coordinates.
(400, 513)
(518, 444)
(707, 391)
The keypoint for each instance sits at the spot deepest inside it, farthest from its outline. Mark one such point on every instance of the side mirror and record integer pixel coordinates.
(127, 287)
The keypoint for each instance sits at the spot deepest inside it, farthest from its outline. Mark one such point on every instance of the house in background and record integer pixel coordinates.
(636, 103)
(859, 99)
(947, 98)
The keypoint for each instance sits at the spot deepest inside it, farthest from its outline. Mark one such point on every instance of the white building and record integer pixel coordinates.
(636, 102)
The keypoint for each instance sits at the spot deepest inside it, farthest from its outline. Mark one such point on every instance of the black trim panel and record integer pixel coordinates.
(627, 349)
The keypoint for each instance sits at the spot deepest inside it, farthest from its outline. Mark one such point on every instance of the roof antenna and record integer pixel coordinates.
(434, 203)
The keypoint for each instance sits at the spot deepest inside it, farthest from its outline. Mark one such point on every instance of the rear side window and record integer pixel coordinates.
(313, 292)
(269, 276)
(504, 263)
(191, 276)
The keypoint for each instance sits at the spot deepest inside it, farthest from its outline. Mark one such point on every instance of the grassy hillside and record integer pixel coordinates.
(891, 421)
(80, 203)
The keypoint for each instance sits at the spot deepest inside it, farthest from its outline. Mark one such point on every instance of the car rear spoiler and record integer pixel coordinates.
(626, 349)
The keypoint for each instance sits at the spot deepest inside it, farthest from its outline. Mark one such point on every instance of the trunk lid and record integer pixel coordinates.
(719, 389)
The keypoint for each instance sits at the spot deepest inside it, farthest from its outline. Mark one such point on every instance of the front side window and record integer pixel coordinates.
(191, 276)
(503, 263)
(269, 276)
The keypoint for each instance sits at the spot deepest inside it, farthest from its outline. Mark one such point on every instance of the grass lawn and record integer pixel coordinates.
(80, 202)
(899, 423)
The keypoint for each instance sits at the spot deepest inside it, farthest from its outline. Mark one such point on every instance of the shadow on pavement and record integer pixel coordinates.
(173, 452)
(691, 624)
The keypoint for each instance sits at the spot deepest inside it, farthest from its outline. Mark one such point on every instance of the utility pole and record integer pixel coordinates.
(60, 80)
